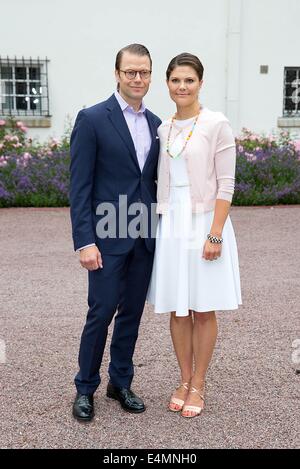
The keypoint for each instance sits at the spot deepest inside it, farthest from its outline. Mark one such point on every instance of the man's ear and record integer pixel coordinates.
(117, 76)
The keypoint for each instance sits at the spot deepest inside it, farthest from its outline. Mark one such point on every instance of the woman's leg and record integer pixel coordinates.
(204, 338)
(182, 337)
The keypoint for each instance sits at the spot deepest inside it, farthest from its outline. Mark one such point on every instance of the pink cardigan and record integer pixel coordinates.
(210, 157)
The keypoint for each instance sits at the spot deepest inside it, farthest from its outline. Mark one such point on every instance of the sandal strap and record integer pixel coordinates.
(176, 401)
(198, 392)
(184, 385)
(192, 408)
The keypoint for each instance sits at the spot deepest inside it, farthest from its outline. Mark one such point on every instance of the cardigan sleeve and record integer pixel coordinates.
(225, 160)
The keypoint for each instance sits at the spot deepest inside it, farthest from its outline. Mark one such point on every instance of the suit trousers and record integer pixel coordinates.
(120, 286)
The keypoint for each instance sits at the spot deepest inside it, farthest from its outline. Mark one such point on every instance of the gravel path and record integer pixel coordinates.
(252, 396)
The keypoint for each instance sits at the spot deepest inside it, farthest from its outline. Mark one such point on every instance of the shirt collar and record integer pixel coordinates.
(124, 105)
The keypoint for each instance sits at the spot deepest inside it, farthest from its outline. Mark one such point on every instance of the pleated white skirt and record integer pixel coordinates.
(182, 279)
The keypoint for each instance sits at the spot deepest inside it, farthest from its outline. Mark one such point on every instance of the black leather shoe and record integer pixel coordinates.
(83, 407)
(128, 400)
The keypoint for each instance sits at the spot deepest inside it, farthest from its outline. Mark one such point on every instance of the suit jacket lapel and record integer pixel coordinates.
(118, 120)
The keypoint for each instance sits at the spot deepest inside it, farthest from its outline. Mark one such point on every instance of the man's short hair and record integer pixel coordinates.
(137, 49)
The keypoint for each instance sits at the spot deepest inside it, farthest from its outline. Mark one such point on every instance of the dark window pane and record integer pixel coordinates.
(34, 73)
(35, 104)
(21, 103)
(34, 88)
(21, 88)
(290, 76)
(6, 73)
(20, 73)
(289, 91)
(289, 105)
(8, 87)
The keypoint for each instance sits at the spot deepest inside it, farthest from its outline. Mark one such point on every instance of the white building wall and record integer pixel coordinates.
(270, 36)
(231, 37)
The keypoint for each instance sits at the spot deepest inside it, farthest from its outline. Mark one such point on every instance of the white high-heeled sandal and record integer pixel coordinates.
(176, 401)
(193, 408)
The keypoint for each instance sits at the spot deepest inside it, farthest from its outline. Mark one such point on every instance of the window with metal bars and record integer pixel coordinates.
(24, 87)
(291, 98)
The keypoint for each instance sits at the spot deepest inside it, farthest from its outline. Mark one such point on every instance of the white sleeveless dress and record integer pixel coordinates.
(182, 279)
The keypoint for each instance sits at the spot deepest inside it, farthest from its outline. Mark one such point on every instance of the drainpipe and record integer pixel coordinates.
(233, 63)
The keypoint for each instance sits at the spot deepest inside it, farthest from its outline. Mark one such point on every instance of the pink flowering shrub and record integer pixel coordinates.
(12, 136)
(13, 139)
(297, 145)
(250, 142)
(34, 174)
(267, 169)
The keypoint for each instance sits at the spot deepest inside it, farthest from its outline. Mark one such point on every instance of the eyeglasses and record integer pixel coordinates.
(131, 74)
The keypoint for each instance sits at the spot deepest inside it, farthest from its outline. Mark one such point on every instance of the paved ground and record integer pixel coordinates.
(252, 389)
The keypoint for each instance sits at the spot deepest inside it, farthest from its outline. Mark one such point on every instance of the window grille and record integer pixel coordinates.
(291, 98)
(24, 87)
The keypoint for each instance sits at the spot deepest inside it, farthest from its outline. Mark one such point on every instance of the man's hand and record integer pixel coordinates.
(90, 258)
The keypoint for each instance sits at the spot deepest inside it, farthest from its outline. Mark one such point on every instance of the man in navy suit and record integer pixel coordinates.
(114, 153)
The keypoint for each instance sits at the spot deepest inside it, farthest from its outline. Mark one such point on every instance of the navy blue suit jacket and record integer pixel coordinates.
(103, 166)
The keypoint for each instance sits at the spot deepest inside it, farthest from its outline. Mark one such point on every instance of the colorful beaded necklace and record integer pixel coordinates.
(186, 140)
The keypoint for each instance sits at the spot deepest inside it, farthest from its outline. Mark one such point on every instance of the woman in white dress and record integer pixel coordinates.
(196, 268)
